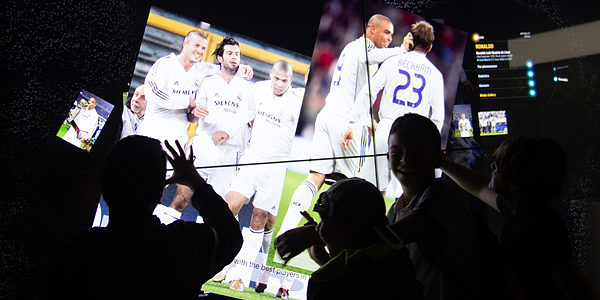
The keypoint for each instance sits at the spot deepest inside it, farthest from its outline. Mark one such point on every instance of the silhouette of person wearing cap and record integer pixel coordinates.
(356, 248)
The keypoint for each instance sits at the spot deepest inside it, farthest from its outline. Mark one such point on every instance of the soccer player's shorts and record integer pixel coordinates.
(327, 143)
(217, 164)
(264, 181)
(206, 154)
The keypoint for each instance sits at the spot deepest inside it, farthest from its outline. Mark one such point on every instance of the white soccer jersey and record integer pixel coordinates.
(464, 126)
(87, 121)
(230, 107)
(275, 121)
(411, 84)
(168, 90)
(350, 73)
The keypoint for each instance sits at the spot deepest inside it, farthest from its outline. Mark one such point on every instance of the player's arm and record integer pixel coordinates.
(156, 82)
(200, 109)
(470, 181)
(362, 104)
(437, 104)
(297, 108)
(378, 55)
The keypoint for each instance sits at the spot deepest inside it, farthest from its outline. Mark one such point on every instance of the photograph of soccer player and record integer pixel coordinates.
(133, 112)
(464, 126)
(170, 86)
(349, 75)
(410, 84)
(334, 93)
(85, 120)
(84, 124)
(223, 108)
(277, 108)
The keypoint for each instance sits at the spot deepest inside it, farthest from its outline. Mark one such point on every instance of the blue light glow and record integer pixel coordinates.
(532, 93)
(529, 64)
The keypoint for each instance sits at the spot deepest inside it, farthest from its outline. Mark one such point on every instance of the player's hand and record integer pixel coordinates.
(295, 241)
(407, 42)
(192, 103)
(247, 71)
(220, 137)
(372, 129)
(347, 137)
(200, 111)
(184, 171)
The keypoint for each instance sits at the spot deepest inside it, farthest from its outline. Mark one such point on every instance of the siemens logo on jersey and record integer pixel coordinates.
(269, 116)
(407, 64)
(227, 103)
(184, 92)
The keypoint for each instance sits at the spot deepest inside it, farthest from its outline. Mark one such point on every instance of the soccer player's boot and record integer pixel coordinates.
(283, 293)
(237, 285)
(261, 288)
(219, 277)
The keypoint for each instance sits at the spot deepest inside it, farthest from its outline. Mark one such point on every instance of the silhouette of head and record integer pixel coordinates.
(133, 177)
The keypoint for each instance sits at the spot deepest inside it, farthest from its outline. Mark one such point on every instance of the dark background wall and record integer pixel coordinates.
(52, 49)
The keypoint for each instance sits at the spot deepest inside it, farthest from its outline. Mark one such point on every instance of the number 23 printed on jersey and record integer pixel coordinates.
(401, 96)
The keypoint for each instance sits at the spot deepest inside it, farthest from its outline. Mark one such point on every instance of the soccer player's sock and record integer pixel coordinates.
(264, 276)
(266, 242)
(287, 282)
(247, 255)
(300, 202)
(266, 245)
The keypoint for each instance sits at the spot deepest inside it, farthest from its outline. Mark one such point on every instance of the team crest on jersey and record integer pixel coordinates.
(176, 83)
(197, 82)
(239, 97)
(281, 113)
(216, 95)
(260, 104)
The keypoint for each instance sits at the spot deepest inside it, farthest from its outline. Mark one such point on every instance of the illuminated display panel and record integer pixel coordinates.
(164, 35)
(85, 120)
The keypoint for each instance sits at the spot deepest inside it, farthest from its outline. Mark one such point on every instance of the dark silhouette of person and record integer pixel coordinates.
(135, 256)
